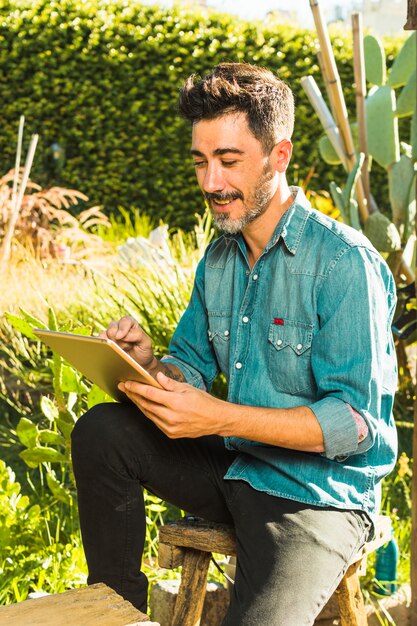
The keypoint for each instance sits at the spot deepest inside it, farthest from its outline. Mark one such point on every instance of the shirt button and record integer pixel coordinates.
(299, 346)
(255, 277)
(245, 319)
(238, 365)
(226, 333)
(279, 342)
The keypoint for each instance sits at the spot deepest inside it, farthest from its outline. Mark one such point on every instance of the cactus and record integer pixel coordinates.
(344, 199)
(375, 70)
(398, 159)
(407, 99)
(404, 64)
(384, 146)
(382, 233)
(400, 177)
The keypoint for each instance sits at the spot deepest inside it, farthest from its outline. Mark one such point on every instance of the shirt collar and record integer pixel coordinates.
(291, 225)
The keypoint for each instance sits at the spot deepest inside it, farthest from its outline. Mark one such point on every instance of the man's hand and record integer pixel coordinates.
(132, 339)
(179, 409)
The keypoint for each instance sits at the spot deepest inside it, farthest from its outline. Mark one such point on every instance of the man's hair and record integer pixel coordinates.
(241, 87)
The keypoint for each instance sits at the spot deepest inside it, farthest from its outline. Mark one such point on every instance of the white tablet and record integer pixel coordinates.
(100, 360)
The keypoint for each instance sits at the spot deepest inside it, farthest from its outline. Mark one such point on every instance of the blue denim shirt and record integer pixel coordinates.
(309, 324)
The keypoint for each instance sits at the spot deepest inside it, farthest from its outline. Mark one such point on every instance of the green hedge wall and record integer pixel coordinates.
(101, 77)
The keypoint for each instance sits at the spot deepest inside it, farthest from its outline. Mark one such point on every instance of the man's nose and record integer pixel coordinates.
(213, 180)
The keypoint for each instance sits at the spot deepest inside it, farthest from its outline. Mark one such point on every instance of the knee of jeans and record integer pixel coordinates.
(90, 428)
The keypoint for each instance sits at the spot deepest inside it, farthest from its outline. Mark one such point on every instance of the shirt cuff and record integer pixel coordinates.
(361, 424)
(192, 376)
(338, 425)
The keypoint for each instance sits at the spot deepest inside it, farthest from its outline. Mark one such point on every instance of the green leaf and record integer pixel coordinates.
(43, 454)
(375, 70)
(53, 324)
(58, 490)
(21, 325)
(71, 380)
(404, 63)
(65, 428)
(34, 321)
(97, 396)
(27, 432)
(51, 437)
(49, 408)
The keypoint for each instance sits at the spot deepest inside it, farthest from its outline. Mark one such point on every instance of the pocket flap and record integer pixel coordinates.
(296, 335)
(219, 327)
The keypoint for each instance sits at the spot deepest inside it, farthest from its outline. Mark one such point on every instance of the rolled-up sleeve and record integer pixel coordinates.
(190, 349)
(353, 355)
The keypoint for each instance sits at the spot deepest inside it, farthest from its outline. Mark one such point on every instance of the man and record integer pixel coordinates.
(295, 309)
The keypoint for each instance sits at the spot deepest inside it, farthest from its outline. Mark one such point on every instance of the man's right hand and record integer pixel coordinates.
(132, 339)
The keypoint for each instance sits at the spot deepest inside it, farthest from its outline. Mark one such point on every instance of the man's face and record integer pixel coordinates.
(235, 176)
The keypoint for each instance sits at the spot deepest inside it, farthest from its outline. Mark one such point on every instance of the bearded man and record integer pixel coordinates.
(295, 310)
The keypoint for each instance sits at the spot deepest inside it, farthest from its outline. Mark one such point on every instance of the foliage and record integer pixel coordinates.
(52, 395)
(39, 546)
(102, 77)
(45, 227)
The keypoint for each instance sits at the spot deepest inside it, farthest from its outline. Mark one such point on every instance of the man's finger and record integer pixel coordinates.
(111, 329)
(126, 324)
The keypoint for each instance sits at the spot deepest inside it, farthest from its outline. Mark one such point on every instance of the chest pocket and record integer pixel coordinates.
(219, 337)
(290, 356)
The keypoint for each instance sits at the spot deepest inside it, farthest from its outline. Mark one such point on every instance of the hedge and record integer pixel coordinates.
(101, 78)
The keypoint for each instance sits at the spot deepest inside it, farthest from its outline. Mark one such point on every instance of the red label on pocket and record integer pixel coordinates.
(279, 321)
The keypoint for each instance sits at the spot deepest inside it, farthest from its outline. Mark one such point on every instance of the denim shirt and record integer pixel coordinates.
(309, 324)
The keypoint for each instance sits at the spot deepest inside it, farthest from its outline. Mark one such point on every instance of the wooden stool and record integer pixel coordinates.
(190, 542)
(97, 605)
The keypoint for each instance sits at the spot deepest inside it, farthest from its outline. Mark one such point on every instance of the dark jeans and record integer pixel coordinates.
(290, 556)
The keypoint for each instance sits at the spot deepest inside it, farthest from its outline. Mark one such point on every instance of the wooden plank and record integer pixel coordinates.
(192, 591)
(170, 557)
(210, 537)
(219, 539)
(97, 605)
(350, 600)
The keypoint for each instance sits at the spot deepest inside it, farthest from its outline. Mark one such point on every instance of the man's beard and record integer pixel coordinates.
(255, 206)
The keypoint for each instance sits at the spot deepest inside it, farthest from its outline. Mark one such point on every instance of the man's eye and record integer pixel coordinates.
(199, 163)
(228, 163)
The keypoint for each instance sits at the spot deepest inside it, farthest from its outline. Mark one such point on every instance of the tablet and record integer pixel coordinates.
(100, 360)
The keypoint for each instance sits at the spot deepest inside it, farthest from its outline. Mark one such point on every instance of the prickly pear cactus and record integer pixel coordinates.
(382, 125)
(406, 102)
(375, 69)
(400, 178)
(404, 64)
(382, 233)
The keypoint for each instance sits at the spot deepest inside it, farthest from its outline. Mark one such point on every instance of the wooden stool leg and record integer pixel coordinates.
(190, 600)
(350, 599)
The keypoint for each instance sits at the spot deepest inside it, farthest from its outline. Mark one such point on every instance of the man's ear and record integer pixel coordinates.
(281, 155)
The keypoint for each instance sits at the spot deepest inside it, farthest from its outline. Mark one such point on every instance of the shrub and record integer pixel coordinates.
(101, 78)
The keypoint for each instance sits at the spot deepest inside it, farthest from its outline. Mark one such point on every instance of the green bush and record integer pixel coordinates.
(102, 78)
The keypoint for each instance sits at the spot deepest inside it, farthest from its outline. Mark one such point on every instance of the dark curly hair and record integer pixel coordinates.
(241, 87)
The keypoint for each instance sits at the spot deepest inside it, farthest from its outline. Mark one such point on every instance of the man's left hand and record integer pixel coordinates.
(179, 409)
